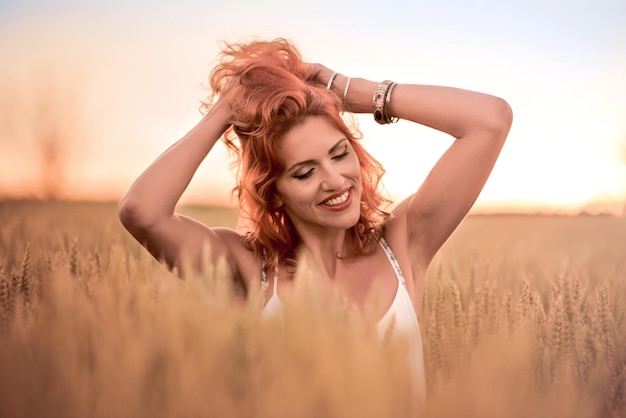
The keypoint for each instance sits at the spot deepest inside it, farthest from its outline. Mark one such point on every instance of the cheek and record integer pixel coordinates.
(300, 194)
(354, 161)
(288, 194)
(355, 168)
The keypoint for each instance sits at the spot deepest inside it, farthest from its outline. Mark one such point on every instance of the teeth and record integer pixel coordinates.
(338, 200)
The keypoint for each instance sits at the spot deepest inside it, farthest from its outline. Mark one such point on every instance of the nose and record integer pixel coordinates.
(332, 180)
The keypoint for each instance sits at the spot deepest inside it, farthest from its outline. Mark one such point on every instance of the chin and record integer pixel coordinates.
(353, 220)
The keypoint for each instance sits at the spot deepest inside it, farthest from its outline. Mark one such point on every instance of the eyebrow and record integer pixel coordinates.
(330, 152)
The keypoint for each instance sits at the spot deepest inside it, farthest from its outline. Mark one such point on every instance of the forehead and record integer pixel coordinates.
(313, 137)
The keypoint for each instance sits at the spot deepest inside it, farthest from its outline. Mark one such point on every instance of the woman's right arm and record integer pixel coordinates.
(147, 210)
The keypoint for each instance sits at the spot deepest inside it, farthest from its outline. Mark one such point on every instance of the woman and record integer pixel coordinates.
(307, 185)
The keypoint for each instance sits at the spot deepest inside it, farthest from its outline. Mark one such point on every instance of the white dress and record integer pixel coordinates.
(400, 315)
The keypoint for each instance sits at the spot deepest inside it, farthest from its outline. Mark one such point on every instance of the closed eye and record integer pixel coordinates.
(303, 176)
(342, 155)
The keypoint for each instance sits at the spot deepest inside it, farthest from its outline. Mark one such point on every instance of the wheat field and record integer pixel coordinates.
(523, 317)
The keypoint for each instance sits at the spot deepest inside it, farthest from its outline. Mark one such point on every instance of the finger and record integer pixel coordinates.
(319, 72)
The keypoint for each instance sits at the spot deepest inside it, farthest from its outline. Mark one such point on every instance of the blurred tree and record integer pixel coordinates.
(41, 116)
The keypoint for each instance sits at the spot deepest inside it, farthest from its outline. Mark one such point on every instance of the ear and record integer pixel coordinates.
(277, 202)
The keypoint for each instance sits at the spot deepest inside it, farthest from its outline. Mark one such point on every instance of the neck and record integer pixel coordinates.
(325, 250)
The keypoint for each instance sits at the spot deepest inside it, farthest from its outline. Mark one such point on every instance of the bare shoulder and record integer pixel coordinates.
(230, 236)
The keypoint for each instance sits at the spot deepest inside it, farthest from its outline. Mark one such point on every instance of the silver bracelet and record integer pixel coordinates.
(345, 92)
(330, 81)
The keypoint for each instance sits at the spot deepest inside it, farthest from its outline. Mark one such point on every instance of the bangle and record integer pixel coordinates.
(330, 81)
(390, 119)
(381, 101)
(345, 93)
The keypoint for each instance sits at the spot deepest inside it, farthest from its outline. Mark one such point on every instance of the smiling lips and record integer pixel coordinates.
(338, 202)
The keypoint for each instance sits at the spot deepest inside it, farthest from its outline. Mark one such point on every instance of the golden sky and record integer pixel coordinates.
(119, 83)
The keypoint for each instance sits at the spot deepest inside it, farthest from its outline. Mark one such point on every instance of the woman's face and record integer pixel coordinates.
(321, 185)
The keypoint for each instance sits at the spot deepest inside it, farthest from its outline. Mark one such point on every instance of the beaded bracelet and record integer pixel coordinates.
(381, 102)
(390, 119)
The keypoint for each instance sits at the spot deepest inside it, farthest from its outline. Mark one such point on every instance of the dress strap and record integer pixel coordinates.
(264, 284)
(392, 259)
(263, 273)
(275, 279)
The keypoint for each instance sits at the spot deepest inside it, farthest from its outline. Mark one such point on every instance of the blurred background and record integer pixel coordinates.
(92, 92)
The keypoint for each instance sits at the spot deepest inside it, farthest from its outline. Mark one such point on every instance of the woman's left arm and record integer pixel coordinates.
(479, 122)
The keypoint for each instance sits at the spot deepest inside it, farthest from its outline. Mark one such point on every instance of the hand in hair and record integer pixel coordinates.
(317, 71)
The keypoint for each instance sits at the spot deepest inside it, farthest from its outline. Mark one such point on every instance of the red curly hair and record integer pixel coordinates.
(270, 92)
